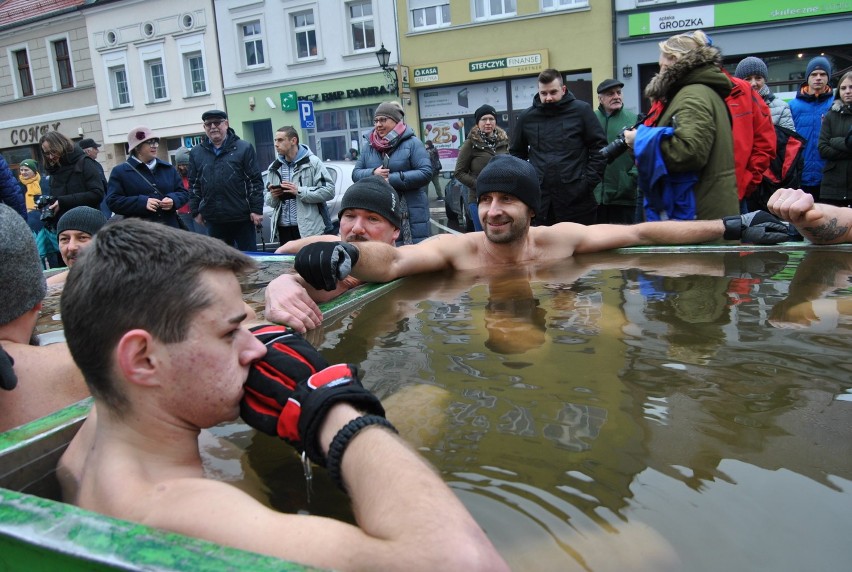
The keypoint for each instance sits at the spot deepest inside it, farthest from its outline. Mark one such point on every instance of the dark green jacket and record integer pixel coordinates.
(837, 172)
(694, 90)
(619, 181)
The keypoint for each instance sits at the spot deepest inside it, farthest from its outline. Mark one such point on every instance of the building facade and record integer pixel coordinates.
(457, 56)
(786, 34)
(309, 64)
(155, 63)
(46, 79)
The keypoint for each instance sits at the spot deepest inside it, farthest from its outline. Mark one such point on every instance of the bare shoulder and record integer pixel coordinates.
(454, 250)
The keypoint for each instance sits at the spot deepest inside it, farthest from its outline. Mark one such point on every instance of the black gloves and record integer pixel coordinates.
(758, 227)
(8, 379)
(323, 264)
(290, 390)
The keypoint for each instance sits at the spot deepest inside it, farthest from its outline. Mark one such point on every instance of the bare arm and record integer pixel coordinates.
(819, 223)
(605, 237)
(292, 302)
(294, 246)
(378, 262)
(408, 518)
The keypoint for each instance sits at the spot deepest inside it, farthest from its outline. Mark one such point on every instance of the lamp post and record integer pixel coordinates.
(383, 55)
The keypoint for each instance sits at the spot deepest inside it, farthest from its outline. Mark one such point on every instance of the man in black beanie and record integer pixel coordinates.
(34, 380)
(74, 232)
(509, 197)
(369, 211)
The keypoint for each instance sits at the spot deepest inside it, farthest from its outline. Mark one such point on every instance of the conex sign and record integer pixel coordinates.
(510, 62)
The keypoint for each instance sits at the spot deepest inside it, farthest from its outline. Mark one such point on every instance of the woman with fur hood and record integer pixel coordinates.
(689, 96)
(485, 140)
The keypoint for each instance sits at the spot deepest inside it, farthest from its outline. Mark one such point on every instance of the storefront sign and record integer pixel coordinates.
(426, 75)
(372, 91)
(190, 141)
(730, 14)
(288, 101)
(510, 62)
(31, 134)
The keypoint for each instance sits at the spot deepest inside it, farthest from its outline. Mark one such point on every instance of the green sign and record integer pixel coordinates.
(674, 20)
(288, 101)
(500, 63)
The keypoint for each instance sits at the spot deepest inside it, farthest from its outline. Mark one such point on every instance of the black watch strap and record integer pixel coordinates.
(341, 441)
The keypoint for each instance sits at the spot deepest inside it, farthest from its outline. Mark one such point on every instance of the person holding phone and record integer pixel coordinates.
(392, 151)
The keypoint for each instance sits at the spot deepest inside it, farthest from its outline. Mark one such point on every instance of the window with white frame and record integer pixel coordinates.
(487, 9)
(427, 14)
(552, 5)
(193, 67)
(361, 25)
(305, 35)
(115, 65)
(22, 74)
(62, 63)
(156, 84)
(251, 34)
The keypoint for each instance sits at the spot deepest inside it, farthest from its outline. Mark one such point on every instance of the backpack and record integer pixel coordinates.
(785, 170)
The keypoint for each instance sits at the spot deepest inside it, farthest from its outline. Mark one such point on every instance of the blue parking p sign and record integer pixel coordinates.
(306, 114)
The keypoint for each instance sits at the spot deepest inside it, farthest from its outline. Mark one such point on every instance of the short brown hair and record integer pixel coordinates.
(289, 132)
(110, 288)
(549, 75)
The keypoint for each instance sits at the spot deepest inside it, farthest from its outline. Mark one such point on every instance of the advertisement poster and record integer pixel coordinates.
(447, 136)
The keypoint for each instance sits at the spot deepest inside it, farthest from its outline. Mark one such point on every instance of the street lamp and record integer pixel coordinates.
(383, 55)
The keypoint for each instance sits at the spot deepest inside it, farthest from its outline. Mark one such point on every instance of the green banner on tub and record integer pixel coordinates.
(676, 20)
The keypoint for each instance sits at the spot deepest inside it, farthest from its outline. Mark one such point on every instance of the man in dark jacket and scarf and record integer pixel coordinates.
(561, 138)
(226, 186)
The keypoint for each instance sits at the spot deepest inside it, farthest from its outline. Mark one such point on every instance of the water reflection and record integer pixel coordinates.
(617, 411)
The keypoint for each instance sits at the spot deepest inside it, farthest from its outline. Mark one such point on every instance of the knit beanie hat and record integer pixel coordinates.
(182, 156)
(84, 219)
(484, 110)
(510, 175)
(374, 194)
(751, 66)
(389, 109)
(818, 63)
(32, 165)
(21, 277)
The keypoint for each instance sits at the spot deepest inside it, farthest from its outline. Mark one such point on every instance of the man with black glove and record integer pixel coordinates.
(161, 372)
(507, 191)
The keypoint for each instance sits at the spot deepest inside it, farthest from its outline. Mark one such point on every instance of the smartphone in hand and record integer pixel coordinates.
(385, 160)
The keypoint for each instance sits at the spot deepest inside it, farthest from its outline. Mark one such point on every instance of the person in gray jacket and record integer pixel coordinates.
(393, 152)
(298, 185)
(754, 71)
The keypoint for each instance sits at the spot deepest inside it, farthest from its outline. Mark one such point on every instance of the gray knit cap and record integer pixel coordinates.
(751, 66)
(182, 156)
(513, 176)
(374, 194)
(21, 277)
(390, 109)
(84, 219)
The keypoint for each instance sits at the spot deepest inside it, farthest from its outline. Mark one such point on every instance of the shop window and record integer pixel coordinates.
(362, 26)
(490, 9)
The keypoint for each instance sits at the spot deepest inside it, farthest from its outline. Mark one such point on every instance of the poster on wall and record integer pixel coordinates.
(462, 100)
(447, 136)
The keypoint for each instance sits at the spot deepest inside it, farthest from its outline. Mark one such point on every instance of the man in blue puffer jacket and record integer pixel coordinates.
(812, 102)
(393, 152)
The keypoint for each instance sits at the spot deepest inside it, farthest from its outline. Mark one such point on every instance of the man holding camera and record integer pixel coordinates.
(617, 193)
(561, 138)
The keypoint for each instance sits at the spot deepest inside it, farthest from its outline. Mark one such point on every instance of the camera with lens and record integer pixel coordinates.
(618, 146)
(47, 217)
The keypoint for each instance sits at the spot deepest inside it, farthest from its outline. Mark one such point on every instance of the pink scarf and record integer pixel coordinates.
(384, 144)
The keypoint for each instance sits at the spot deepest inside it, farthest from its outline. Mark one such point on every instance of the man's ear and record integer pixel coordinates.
(396, 234)
(136, 357)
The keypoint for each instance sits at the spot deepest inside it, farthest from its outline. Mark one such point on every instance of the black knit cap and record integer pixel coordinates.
(374, 194)
(513, 176)
(84, 219)
(484, 110)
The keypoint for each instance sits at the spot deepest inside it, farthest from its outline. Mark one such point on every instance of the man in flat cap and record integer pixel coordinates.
(617, 193)
(226, 186)
(91, 149)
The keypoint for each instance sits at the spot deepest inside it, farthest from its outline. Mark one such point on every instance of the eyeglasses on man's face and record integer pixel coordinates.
(213, 123)
(381, 120)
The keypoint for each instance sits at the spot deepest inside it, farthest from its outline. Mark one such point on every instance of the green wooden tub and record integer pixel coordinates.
(37, 532)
